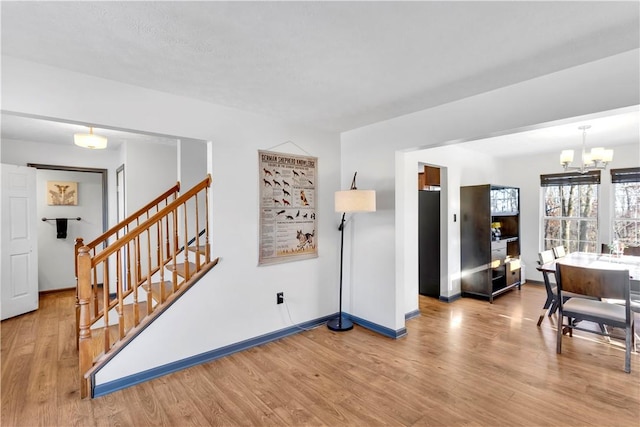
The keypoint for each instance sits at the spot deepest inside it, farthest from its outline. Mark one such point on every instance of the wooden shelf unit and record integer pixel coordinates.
(490, 264)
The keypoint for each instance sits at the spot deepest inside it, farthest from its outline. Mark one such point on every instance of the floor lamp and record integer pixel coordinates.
(349, 201)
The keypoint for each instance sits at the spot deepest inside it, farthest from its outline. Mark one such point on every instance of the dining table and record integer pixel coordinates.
(602, 261)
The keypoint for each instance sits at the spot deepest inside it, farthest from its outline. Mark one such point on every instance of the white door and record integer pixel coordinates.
(18, 241)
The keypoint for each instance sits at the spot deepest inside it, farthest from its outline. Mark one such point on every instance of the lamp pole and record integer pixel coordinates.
(338, 324)
(352, 200)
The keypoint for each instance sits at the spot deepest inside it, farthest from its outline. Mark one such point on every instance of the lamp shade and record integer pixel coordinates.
(90, 140)
(355, 201)
(566, 156)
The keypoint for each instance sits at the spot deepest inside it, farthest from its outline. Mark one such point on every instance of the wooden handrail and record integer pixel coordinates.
(171, 207)
(134, 216)
(137, 258)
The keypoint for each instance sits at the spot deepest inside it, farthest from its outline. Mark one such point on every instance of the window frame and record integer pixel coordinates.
(591, 223)
(624, 177)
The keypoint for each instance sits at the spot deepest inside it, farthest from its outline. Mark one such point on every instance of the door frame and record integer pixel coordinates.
(120, 194)
(105, 193)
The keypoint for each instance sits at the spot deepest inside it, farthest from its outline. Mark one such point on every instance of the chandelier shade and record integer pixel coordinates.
(90, 140)
(597, 158)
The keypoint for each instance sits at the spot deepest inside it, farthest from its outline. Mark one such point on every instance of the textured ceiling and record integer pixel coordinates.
(331, 65)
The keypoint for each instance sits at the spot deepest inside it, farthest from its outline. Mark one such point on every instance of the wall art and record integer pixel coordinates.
(288, 226)
(62, 193)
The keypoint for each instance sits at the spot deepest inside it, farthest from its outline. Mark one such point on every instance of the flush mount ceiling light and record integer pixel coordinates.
(90, 140)
(598, 158)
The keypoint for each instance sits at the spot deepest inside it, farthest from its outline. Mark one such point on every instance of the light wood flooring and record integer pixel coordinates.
(465, 363)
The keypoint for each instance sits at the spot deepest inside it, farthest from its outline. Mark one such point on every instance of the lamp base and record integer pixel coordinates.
(335, 324)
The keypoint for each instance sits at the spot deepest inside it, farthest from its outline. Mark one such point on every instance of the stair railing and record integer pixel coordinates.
(139, 258)
(115, 233)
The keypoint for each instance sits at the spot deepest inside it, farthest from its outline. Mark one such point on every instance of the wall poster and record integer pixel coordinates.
(287, 207)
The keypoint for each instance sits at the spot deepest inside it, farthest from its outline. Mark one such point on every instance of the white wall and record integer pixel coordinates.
(377, 270)
(150, 170)
(236, 301)
(192, 167)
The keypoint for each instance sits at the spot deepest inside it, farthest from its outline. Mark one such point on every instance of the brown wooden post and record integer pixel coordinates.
(207, 249)
(197, 228)
(84, 335)
(185, 232)
(78, 245)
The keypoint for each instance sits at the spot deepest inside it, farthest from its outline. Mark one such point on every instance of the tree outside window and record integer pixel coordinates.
(626, 205)
(570, 211)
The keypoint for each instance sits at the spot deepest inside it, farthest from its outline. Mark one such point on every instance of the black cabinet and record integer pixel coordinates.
(490, 240)
(429, 243)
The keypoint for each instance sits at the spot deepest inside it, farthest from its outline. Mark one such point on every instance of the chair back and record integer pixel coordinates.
(545, 257)
(594, 282)
(629, 250)
(632, 250)
(559, 251)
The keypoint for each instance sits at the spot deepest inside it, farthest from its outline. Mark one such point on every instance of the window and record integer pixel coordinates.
(626, 205)
(570, 211)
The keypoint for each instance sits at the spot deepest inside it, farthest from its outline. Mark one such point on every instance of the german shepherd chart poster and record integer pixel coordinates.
(287, 207)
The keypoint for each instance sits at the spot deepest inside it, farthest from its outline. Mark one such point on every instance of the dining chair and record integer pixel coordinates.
(635, 308)
(602, 284)
(628, 250)
(550, 305)
(559, 251)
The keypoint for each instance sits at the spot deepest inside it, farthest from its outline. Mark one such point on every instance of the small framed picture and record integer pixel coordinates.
(61, 193)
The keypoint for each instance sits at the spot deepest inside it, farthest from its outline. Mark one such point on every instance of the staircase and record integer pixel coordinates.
(133, 272)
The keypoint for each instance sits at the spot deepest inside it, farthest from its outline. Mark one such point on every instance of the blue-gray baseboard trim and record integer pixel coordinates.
(388, 332)
(412, 314)
(452, 298)
(119, 384)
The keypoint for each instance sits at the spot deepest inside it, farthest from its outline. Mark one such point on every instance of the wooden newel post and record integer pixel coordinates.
(84, 335)
(78, 245)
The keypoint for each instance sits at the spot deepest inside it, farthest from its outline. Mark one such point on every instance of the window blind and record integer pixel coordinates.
(625, 175)
(570, 178)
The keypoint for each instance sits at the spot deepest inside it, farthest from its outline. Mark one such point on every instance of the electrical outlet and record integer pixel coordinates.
(279, 297)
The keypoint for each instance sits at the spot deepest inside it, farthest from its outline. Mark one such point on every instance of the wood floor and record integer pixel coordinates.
(464, 363)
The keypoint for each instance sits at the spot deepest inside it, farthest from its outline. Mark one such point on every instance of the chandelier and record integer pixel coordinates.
(90, 140)
(597, 158)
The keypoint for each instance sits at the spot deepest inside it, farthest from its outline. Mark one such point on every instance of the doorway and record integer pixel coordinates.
(60, 225)
(429, 247)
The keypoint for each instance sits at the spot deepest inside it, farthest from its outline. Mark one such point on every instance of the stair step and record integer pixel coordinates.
(200, 248)
(97, 340)
(155, 289)
(97, 334)
(180, 269)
